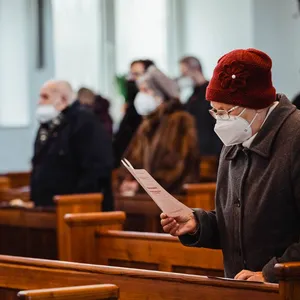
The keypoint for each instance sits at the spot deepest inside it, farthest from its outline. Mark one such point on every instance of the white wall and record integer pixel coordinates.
(77, 37)
(214, 27)
(14, 64)
(16, 144)
(277, 32)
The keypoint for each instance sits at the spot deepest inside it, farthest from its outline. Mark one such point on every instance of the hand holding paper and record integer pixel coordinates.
(166, 202)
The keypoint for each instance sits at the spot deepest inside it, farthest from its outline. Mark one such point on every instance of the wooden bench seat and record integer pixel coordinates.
(40, 232)
(24, 273)
(152, 251)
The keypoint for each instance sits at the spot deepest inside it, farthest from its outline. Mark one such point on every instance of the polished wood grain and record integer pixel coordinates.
(25, 273)
(37, 232)
(28, 232)
(88, 292)
(208, 168)
(201, 195)
(5, 185)
(19, 179)
(81, 230)
(73, 204)
(289, 276)
(152, 251)
(143, 213)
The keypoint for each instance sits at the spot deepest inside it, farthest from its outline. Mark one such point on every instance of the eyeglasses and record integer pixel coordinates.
(222, 113)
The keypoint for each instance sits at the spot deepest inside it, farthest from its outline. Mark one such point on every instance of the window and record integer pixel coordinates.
(76, 30)
(141, 32)
(14, 70)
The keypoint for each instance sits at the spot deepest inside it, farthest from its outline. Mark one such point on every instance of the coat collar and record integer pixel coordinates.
(263, 142)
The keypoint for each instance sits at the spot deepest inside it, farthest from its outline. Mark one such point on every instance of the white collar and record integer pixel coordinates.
(248, 143)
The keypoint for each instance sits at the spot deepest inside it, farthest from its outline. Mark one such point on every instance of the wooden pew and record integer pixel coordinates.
(24, 273)
(37, 232)
(208, 168)
(153, 251)
(143, 214)
(19, 179)
(86, 292)
(289, 276)
(5, 185)
(201, 195)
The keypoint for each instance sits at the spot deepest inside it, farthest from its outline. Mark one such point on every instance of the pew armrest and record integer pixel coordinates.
(200, 187)
(81, 230)
(288, 271)
(99, 291)
(78, 199)
(96, 219)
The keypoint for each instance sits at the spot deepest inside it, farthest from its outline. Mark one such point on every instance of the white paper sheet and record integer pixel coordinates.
(166, 202)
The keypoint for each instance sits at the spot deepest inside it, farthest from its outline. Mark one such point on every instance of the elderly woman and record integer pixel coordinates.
(166, 142)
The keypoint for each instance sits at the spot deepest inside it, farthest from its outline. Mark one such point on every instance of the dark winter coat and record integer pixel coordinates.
(128, 126)
(72, 154)
(257, 217)
(166, 146)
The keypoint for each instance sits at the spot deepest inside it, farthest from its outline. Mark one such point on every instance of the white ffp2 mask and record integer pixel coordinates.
(235, 130)
(46, 113)
(145, 104)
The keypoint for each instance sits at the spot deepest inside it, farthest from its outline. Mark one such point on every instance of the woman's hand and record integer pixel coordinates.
(179, 226)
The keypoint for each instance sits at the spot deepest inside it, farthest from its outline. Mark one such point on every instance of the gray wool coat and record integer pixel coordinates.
(257, 218)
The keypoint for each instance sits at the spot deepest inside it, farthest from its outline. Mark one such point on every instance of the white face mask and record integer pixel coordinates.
(235, 130)
(46, 113)
(145, 104)
(186, 86)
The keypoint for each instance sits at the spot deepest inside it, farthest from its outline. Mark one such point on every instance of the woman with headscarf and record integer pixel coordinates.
(166, 141)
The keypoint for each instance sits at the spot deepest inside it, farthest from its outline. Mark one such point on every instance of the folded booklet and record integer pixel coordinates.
(166, 202)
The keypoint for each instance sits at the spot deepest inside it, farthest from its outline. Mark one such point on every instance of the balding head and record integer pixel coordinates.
(58, 93)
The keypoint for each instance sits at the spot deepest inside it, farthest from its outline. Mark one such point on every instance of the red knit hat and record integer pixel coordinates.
(243, 78)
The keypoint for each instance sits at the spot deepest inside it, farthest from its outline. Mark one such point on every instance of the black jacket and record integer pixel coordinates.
(198, 107)
(257, 217)
(128, 126)
(76, 157)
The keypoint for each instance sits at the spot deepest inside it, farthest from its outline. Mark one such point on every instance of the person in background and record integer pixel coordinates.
(256, 221)
(99, 105)
(166, 141)
(131, 119)
(85, 96)
(193, 84)
(101, 109)
(72, 152)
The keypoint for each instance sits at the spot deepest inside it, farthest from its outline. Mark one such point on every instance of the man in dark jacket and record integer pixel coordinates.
(257, 218)
(193, 79)
(72, 152)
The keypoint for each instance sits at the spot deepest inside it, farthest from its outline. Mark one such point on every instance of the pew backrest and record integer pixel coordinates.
(142, 213)
(200, 195)
(4, 187)
(152, 251)
(38, 232)
(28, 274)
(19, 179)
(73, 204)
